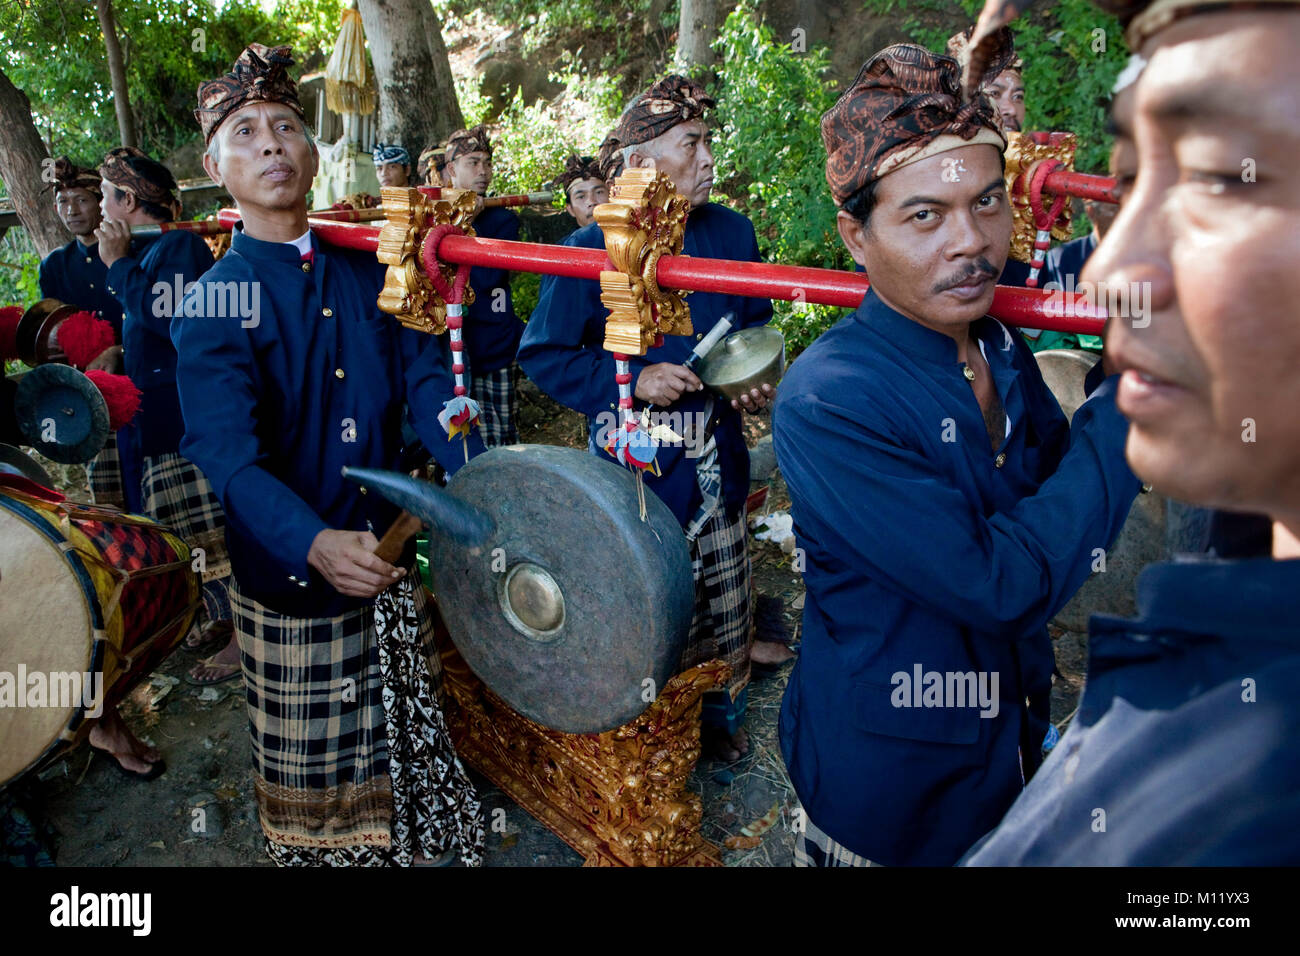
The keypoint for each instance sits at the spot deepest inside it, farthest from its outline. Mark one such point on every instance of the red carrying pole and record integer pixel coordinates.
(1028, 308)
(1096, 188)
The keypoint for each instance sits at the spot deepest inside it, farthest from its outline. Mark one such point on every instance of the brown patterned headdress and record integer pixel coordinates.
(609, 159)
(131, 170)
(904, 106)
(68, 175)
(672, 100)
(260, 75)
(464, 141)
(576, 169)
(1002, 51)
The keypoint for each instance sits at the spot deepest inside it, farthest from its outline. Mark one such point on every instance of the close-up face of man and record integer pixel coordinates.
(471, 171)
(685, 155)
(584, 196)
(1006, 92)
(1209, 373)
(392, 174)
(263, 154)
(937, 237)
(78, 209)
(113, 206)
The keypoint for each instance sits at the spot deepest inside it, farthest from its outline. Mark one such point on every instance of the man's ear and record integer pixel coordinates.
(640, 160)
(211, 167)
(855, 235)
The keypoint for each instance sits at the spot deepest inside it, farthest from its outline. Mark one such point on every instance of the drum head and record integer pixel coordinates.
(46, 637)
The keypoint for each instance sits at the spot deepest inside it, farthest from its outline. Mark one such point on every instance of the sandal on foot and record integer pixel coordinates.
(232, 671)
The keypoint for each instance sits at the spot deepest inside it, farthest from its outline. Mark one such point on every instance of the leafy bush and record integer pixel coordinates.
(770, 158)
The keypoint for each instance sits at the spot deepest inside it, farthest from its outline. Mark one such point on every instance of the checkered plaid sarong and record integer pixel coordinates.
(105, 474)
(498, 401)
(721, 628)
(352, 761)
(813, 847)
(178, 495)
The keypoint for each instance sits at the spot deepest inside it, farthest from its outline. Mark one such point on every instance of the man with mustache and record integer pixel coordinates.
(704, 480)
(1183, 751)
(492, 330)
(76, 275)
(945, 508)
(352, 761)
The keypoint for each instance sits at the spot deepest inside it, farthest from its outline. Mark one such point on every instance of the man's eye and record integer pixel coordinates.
(990, 200)
(1218, 182)
(925, 215)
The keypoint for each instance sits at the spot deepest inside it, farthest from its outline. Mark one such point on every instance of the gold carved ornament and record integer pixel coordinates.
(409, 215)
(644, 220)
(1024, 153)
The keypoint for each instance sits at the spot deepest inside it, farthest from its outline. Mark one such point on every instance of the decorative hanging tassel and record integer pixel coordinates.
(461, 413)
(630, 444)
(120, 395)
(83, 336)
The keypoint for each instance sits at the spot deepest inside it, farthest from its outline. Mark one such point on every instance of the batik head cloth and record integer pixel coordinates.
(131, 170)
(576, 169)
(904, 106)
(670, 101)
(609, 159)
(68, 175)
(469, 141)
(1002, 51)
(385, 154)
(260, 75)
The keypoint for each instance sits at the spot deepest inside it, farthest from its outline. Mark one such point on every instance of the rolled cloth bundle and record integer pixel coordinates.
(68, 175)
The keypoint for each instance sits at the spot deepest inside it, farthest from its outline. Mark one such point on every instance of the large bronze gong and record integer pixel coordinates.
(558, 596)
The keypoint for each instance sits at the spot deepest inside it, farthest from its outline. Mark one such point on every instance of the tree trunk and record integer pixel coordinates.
(417, 97)
(23, 159)
(696, 31)
(117, 72)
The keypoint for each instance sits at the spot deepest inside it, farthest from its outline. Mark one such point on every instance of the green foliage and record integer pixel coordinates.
(54, 51)
(19, 265)
(530, 146)
(770, 158)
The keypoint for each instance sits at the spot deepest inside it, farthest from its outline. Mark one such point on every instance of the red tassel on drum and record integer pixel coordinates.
(83, 336)
(120, 395)
(10, 316)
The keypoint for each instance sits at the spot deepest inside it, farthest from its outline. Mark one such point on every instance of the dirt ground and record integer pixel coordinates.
(201, 811)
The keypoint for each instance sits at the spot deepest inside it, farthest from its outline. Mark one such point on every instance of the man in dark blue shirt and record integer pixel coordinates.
(76, 275)
(945, 508)
(148, 277)
(706, 479)
(492, 330)
(1183, 751)
(288, 372)
(584, 188)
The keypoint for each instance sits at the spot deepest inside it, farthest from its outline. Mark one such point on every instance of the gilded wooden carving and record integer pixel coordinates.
(409, 215)
(619, 798)
(644, 220)
(1024, 152)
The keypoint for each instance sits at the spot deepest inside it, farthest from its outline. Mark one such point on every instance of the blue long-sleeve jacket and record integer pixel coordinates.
(492, 330)
(149, 282)
(76, 275)
(562, 351)
(926, 549)
(1183, 751)
(277, 399)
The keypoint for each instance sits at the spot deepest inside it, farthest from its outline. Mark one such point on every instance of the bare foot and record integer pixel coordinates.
(720, 745)
(770, 652)
(219, 667)
(112, 735)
